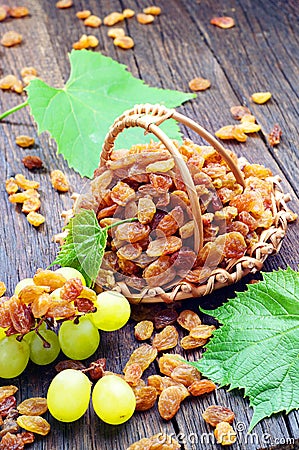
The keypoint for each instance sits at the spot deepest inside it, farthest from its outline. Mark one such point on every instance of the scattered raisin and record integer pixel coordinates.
(145, 19)
(275, 135)
(215, 414)
(124, 42)
(223, 22)
(59, 181)
(11, 38)
(34, 406)
(200, 387)
(199, 84)
(225, 434)
(144, 330)
(35, 424)
(32, 162)
(166, 339)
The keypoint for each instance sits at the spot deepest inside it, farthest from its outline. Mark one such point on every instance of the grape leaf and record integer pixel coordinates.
(257, 347)
(84, 246)
(98, 91)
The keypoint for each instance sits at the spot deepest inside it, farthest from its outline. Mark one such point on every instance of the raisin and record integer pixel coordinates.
(59, 181)
(128, 13)
(239, 111)
(7, 391)
(185, 374)
(62, 310)
(21, 316)
(168, 362)
(122, 193)
(225, 434)
(170, 223)
(215, 414)
(40, 305)
(31, 205)
(232, 244)
(145, 19)
(146, 397)
(35, 219)
(83, 14)
(97, 368)
(256, 170)
(183, 260)
(146, 210)
(223, 22)
(261, 97)
(23, 183)
(11, 186)
(84, 305)
(27, 437)
(113, 18)
(200, 387)
(71, 289)
(133, 374)
(125, 42)
(160, 182)
(159, 441)
(202, 331)
(159, 272)
(164, 318)
(25, 141)
(132, 232)
(275, 135)
(35, 424)
(11, 38)
(160, 166)
(63, 4)
(248, 220)
(143, 330)
(153, 10)
(166, 339)
(169, 402)
(30, 293)
(188, 342)
(34, 406)
(188, 319)
(69, 364)
(5, 319)
(93, 21)
(11, 442)
(49, 278)
(143, 355)
(116, 33)
(7, 404)
(199, 84)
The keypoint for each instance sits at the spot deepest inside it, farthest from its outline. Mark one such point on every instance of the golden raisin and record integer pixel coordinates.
(153, 10)
(63, 4)
(51, 279)
(26, 184)
(125, 42)
(164, 246)
(146, 210)
(59, 181)
(199, 84)
(7, 82)
(24, 141)
(35, 424)
(261, 97)
(83, 14)
(11, 186)
(3, 13)
(275, 135)
(215, 414)
(146, 397)
(28, 71)
(128, 13)
(239, 111)
(113, 18)
(32, 204)
(145, 19)
(116, 33)
(223, 22)
(93, 21)
(169, 402)
(200, 387)
(159, 441)
(143, 330)
(11, 38)
(35, 219)
(188, 342)
(2, 288)
(225, 434)
(18, 12)
(133, 374)
(35, 406)
(202, 331)
(166, 339)
(143, 355)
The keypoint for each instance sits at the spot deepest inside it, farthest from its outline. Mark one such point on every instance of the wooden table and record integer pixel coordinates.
(259, 54)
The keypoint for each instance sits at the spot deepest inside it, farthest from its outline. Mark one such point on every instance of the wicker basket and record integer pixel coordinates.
(149, 117)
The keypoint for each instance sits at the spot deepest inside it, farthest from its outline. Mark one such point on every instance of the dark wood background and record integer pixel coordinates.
(259, 53)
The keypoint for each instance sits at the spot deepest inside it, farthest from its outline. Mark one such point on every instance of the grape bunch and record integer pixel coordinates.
(78, 338)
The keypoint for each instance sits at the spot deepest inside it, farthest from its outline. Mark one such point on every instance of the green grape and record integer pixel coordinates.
(68, 395)
(78, 340)
(113, 400)
(2, 333)
(113, 311)
(56, 295)
(14, 356)
(23, 283)
(70, 272)
(42, 355)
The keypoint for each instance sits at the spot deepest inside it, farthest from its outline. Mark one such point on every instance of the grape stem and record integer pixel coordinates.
(132, 219)
(46, 344)
(14, 109)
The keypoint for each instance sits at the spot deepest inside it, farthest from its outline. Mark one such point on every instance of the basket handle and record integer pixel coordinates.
(150, 117)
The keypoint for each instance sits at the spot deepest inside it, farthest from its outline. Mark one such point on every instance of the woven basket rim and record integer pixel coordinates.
(149, 117)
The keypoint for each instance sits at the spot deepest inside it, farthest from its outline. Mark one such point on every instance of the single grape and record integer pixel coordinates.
(2, 333)
(78, 340)
(68, 395)
(56, 295)
(113, 400)
(14, 356)
(23, 283)
(113, 311)
(40, 354)
(70, 272)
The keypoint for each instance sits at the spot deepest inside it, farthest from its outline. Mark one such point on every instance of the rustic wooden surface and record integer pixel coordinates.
(259, 53)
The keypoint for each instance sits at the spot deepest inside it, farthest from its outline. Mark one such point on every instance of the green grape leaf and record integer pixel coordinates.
(98, 91)
(257, 347)
(84, 246)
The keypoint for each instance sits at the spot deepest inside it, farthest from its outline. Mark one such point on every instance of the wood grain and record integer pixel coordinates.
(259, 53)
